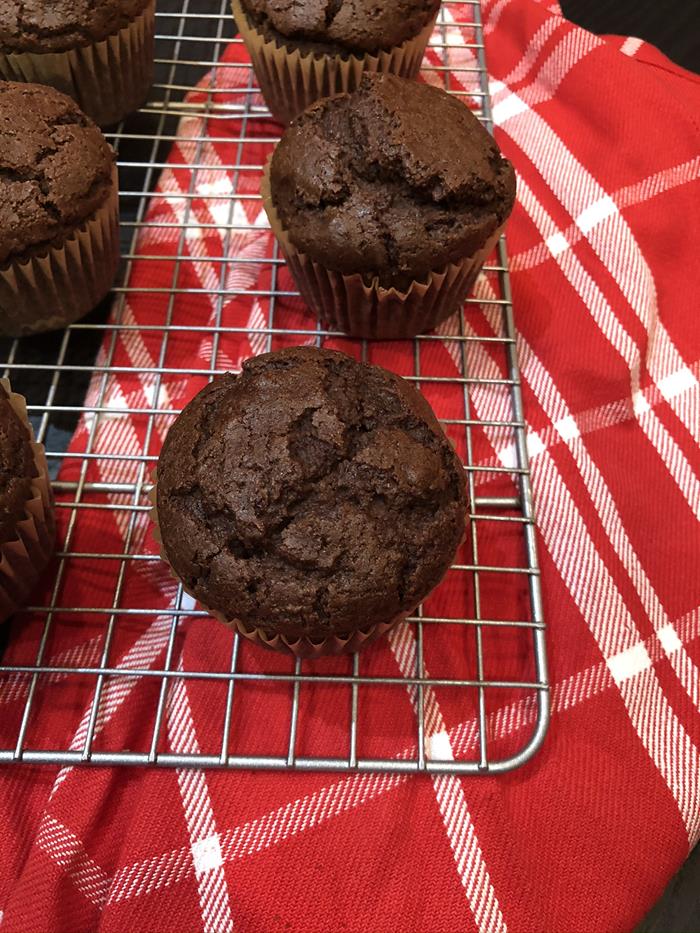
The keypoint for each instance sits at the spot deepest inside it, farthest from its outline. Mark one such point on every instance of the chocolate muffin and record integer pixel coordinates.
(59, 238)
(305, 51)
(26, 506)
(312, 500)
(341, 27)
(101, 54)
(383, 188)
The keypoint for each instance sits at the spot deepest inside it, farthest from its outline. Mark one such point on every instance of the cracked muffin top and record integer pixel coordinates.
(392, 181)
(59, 25)
(55, 167)
(309, 496)
(341, 26)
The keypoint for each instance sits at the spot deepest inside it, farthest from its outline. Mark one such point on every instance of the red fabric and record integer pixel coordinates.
(605, 273)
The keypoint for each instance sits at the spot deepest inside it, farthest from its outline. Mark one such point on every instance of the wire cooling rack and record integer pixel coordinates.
(499, 677)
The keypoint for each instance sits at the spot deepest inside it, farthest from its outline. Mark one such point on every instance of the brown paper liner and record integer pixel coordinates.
(303, 647)
(52, 287)
(348, 303)
(109, 79)
(23, 558)
(291, 80)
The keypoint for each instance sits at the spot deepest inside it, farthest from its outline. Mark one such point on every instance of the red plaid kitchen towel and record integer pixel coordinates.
(604, 258)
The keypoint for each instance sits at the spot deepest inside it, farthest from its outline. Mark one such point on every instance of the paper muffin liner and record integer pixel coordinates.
(291, 80)
(48, 288)
(347, 303)
(108, 79)
(303, 647)
(24, 557)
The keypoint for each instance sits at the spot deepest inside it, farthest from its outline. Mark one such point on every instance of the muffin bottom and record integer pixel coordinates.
(24, 557)
(349, 304)
(292, 80)
(108, 79)
(307, 647)
(303, 647)
(49, 288)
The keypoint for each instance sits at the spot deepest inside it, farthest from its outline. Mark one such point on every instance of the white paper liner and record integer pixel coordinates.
(291, 80)
(347, 303)
(24, 557)
(50, 288)
(304, 647)
(109, 79)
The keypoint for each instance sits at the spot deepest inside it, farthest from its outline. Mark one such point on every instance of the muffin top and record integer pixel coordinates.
(392, 181)
(341, 26)
(58, 25)
(17, 467)
(55, 167)
(310, 495)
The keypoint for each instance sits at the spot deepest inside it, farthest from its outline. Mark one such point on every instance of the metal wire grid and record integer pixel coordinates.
(53, 373)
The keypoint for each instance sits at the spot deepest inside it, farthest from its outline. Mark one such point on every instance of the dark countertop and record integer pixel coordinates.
(673, 26)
